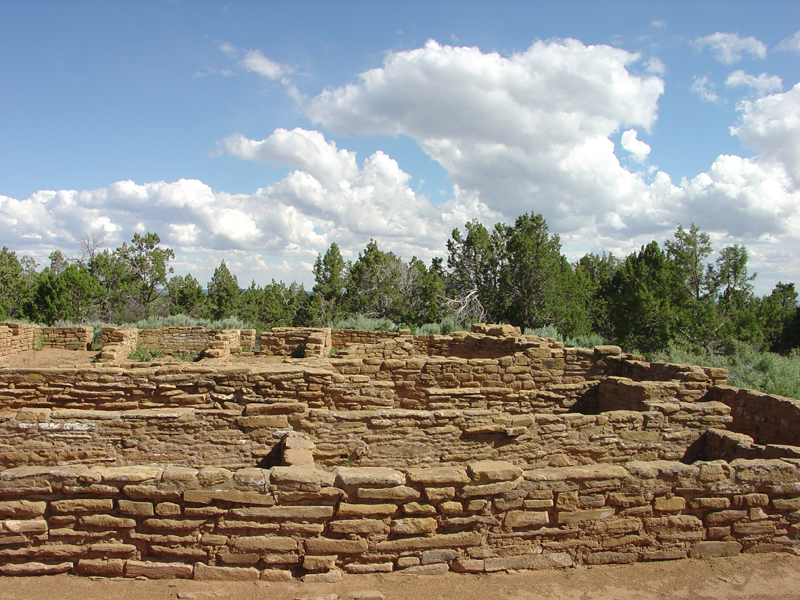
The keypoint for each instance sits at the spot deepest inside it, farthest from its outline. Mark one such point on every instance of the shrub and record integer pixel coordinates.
(361, 323)
(145, 355)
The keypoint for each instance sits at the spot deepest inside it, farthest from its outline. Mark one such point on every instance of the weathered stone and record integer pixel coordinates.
(363, 568)
(364, 476)
(35, 568)
(438, 556)
(439, 476)
(107, 522)
(104, 567)
(206, 497)
(674, 504)
(489, 471)
(712, 549)
(268, 543)
(347, 510)
(413, 526)
(438, 494)
(585, 515)
(433, 569)
(22, 508)
(521, 518)
(331, 546)
(82, 506)
(319, 562)
(154, 570)
(528, 561)
(358, 526)
(332, 576)
(205, 573)
(276, 575)
(400, 493)
(137, 509)
(489, 489)
(26, 526)
(448, 540)
(611, 558)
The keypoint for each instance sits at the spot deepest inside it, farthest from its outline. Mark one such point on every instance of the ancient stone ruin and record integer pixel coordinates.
(476, 452)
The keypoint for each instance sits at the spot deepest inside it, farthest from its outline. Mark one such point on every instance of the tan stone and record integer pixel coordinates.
(712, 549)
(154, 570)
(105, 567)
(529, 561)
(35, 568)
(137, 509)
(450, 540)
(673, 504)
(319, 562)
(521, 518)
(489, 471)
(206, 497)
(263, 542)
(107, 522)
(331, 546)
(82, 506)
(413, 526)
(276, 575)
(400, 493)
(437, 494)
(439, 476)
(358, 526)
(347, 510)
(25, 526)
(22, 508)
(365, 476)
(205, 573)
(585, 515)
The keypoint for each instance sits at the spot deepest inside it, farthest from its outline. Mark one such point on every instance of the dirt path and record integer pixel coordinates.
(768, 576)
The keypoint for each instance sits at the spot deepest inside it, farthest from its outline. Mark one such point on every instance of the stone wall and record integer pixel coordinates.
(769, 419)
(67, 338)
(17, 337)
(298, 521)
(297, 342)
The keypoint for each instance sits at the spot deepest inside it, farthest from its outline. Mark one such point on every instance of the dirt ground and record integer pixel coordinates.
(765, 576)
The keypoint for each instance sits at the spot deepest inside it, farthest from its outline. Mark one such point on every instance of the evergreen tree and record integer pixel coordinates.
(223, 293)
(186, 296)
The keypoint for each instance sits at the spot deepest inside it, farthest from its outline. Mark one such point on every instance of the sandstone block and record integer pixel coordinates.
(25, 526)
(347, 510)
(528, 561)
(439, 476)
(319, 562)
(413, 526)
(400, 493)
(724, 516)
(332, 546)
(467, 565)
(438, 494)
(133, 474)
(112, 549)
(489, 489)
(264, 542)
(301, 477)
(35, 568)
(107, 522)
(438, 556)
(416, 508)
(358, 526)
(712, 549)
(136, 509)
(433, 569)
(522, 518)
(364, 476)
(155, 570)
(753, 500)
(293, 513)
(611, 558)
(448, 540)
(674, 504)
(82, 506)
(489, 471)
(207, 497)
(362, 568)
(786, 503)
(332, 576)
(276, 575)
(167, 509)
(22, 508)
(585, 515)
(104, 567)
(712, 503)
(586, 472)
(205, 573)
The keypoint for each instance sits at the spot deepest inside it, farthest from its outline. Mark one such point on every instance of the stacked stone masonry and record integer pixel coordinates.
(476, 452)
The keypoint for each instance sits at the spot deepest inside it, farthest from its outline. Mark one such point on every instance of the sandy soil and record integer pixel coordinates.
(767, 576)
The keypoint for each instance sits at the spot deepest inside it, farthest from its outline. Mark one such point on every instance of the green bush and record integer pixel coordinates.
(187, 321)
(145, 355)
(361, 323)
(747, 367)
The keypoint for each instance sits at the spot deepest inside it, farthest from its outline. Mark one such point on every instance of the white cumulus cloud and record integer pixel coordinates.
(790, 44)
(703, 87)
(728, 48)
(762, 84)
(637, 148)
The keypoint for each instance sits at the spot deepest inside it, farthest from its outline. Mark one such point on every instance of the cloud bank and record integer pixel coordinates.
(532, 131)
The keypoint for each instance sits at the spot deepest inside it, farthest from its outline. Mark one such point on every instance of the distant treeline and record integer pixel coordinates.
(681, 293)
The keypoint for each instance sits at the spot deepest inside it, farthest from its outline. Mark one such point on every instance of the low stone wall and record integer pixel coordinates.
(297, 342)
(67, 338)
(769, 419)
(343, 338)
(118, 343)
(297, 521)
(17, 337)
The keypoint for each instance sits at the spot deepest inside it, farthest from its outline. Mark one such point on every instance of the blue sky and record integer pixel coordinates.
(262, 132)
